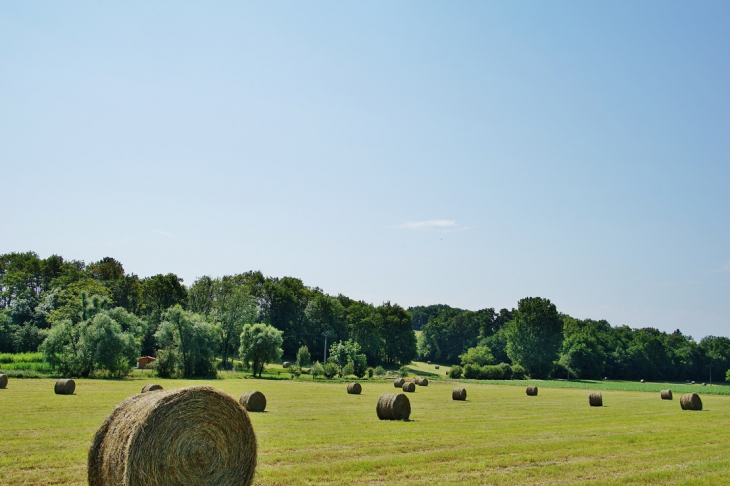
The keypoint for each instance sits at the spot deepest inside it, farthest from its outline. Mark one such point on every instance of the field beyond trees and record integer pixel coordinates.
(315, 433)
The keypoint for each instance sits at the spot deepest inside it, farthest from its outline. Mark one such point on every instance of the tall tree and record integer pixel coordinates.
(534, 336)
(260, 344)
(396, 328)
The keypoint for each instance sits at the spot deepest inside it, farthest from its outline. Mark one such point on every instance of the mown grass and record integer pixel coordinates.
(314, 433)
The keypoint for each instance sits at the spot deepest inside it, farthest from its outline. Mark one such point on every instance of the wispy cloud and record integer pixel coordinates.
(164, 233)
(429, 224)
(724, 268)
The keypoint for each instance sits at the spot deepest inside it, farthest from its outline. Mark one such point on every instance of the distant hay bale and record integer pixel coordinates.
(704, 384)
(428, 362)
(437, 366)
(458, 394)
(666, 394)
(447, 373)
(398, 383)
(421, 381)
(3, 380)
(690, 401)
(595, 400)
(64, 387)
(254, 401)
(532, 391)
(197, 435)
(643, 381)
(693, 382)
(409, 387)
(393, 406)
(151, 387)
(286, 364)
(354, 388)
(605, 378)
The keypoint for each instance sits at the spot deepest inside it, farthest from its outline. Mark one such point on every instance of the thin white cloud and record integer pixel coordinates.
(724, 268)
(429, 224)
(164, 233)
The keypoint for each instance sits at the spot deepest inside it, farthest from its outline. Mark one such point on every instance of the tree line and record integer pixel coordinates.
(76, 313)
(544, 343)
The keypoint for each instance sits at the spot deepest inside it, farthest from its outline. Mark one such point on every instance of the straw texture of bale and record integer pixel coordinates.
(3, 380)
(64, 387)
(151, 387)
(437, 366)
(393, 406)
(420, 381)
(666, 394)
(354, 388)
(197, 435)
(398, 383)
(595, 400)
(286, 364)
(254, 401)
(458, 394)
(532, 391)
(409, 387)
(690, 401)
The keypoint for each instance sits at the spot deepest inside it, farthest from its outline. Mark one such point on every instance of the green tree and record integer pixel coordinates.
(304, 357)
(260, 344)
(480, 355)
(396, 328)
(233, 307)
(187, 343)
(534, 336)
(111, 349)
(583, 356)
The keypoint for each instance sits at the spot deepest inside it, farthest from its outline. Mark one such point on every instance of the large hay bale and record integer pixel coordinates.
(197, 435)
(3, 380)
(151, 387)
(393, 406)
(254, 401)
(354, 388)
(666, 394)
(286, 364)
(398, 383)
(458, 394)
(420, 381)
(64, 387)
(532, 391)
(595, 400)
(409, 387)
(437, 366)
(690, 401)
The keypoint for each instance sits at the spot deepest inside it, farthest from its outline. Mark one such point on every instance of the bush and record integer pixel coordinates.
(295, 371)
(456, 372)
(370, 372)
(491, 372)
(506, 371)
(379, 371)
(360, 365)
(403, 371)
(727, 375)
(317, 370)
(559, 371)
(480, 355)
(348, 369)
(472, 371)
(330, 370)
(304, 357)
(518, 372)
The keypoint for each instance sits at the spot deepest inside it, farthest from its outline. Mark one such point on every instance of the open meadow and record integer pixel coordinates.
(315, 433)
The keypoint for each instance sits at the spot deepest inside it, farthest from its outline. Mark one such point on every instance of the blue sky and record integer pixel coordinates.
(465, 153)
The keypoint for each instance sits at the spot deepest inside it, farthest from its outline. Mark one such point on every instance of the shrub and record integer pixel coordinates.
(370, 372)
(403, 371)
(304, 357)
(330, 370)
(317, 370)
(295, 371)
(456, 372)
(491, 372)
(518, 372)
(480, 355)
(471, 371)
(348, 369)
(506, 371)
(727, 375)
(360, 365)
(380, 371)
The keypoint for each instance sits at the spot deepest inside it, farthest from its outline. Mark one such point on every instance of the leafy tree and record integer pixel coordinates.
(343, 353)
(260, 344)
(304, 357)
(317, 369)
(111, 348)
(396, 328)
(187, 343)
(379, 370)
(330, 370)
(727, 375)
(480, 355)
(347, 370)
(161, 292)
(403, 371)
(362, 325)
(534, 336)
(456, 372)
(233, 307)
(717, 352)
(360, 365)
(583, 355)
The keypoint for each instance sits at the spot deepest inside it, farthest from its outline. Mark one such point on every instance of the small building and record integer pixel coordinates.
(144, 361)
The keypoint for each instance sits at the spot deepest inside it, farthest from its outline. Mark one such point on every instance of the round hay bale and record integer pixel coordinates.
(354, 388)
(428, 362)
(151, 387)
(420, 381)
(532, 391)
(704, 384)
(286, 364)
(693, 382)
(605, 378)
(3, 380)
(458, 394)
(393, 406)
(666, 394)
(409, 387)
(254, 401)
(690, 401)
(64, 387)
(398, 383)
(196, 435)
(447, 373)
(437, 367)
(595, 400)
(643, 381)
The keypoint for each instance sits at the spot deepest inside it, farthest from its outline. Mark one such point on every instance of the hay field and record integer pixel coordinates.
(317, 434)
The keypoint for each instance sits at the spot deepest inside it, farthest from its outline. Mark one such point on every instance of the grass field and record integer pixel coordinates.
(314, 433)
